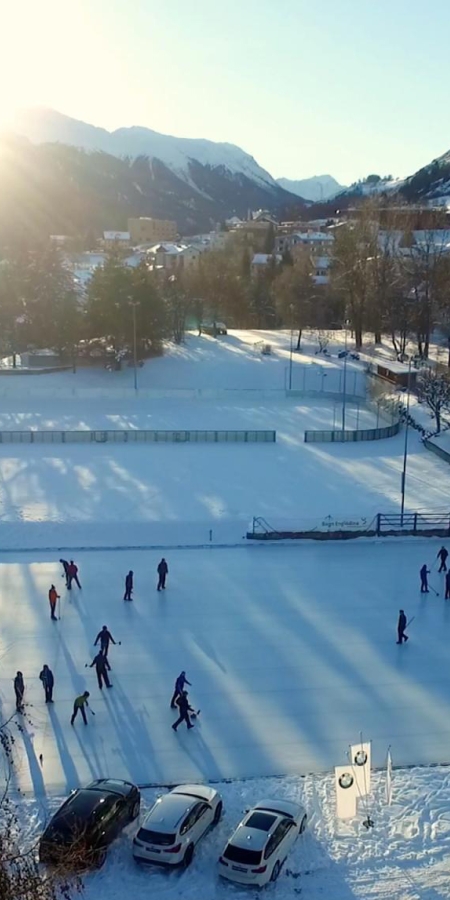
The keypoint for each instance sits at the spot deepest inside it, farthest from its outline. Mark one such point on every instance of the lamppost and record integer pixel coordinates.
(134, 304)
(291, 307)
(344, 386)
(405, 450)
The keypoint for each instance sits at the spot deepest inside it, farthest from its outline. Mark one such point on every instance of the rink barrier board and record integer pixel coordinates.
(416, 524)
(100, 436)
(343, 437)
(439, 451)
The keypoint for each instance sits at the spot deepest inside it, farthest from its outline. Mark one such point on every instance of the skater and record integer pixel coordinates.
(73, 575)
(78, 706)
(424, 572)
(185, 709)
(53, 598)
(128, 586)
(447, 586)
(104, 636)
(401, 628)
(46, 676)
(163, 571)
(442, 555)
(179, 688)
(19, 690)
(65, 574)
(101, 668)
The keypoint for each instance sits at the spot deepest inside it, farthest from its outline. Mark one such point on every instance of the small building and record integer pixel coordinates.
(261, 260)
(118, 238)
(394, 372)
(146, 230)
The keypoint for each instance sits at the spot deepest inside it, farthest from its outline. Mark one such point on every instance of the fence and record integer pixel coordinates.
(362, 434)
(439, 451)
(325, 380)
(344, 528)
(136, 436)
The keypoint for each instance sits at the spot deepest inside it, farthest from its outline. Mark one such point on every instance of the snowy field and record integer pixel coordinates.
(291, 652)
(405, 857)
(291, 649)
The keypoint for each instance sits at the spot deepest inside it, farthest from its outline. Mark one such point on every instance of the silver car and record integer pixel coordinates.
(175, 824)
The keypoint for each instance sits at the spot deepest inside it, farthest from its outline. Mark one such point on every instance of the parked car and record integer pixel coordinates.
(79, 833)
(213, 328)
(176, 823)
(258, 848)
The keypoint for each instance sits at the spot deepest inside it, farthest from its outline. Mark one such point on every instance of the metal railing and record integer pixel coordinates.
(137, 436)
(362, 434)
(425, 524)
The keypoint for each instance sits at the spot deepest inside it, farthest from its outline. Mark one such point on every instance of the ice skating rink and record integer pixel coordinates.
(291, 652)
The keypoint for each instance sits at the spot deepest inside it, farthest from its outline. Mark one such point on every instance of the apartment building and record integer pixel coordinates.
(146, 230)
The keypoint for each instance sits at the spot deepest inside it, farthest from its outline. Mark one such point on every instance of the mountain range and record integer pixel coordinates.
(59, 175)
(318, 188)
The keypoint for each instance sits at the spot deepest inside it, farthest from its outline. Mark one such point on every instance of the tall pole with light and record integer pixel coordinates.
(405, 449)
(133, 305)
(291, 346)
(344, 386)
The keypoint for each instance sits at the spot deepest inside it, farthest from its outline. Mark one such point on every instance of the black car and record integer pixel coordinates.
(78, 834)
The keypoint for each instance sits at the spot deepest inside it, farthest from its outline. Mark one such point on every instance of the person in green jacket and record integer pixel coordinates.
(79, 706)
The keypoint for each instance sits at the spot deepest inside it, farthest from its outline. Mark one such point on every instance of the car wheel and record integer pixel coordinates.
(276, 871)
(100, 858)
(302, 825)
(218, 813)
(187, 858)
(135, 810)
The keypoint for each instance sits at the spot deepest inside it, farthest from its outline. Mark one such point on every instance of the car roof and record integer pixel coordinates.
(251, 838)
(197, 791)
(111, 786)
(81, 803)
(281, 807)
(168, 811)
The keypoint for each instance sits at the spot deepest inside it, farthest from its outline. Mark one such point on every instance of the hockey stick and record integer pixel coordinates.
(91, 711)
(194, 714)
(434, 590)
(409, 621)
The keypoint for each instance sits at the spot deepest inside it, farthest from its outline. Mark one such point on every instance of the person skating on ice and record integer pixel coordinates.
(105, 637)
(53, 598)
(101, 668)
(179, 688)
(128, 586)
(79, 706)
(65, 565)
(19, 690)
(447, 586)
(73, 575)
(442, 555)
(401, 628)
(424, 572)
(46, 676)
(185, 709)
(163, 571)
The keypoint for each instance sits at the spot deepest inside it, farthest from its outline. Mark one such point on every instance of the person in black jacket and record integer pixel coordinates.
(99, 662)
(179, 688)
(185, 709)
(65, 565)
(128, 586)
(19, 690)
(46, 676)
(424, 572)
(163, 571)
(105, 637)
(442, 555)
(447, 586)
(401, 628)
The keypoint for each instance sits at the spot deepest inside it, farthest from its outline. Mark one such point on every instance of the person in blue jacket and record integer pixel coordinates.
(46, 676)
(179, 688)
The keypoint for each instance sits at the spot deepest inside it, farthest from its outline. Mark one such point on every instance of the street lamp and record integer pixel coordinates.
(134, 304)
(405, 451)
(344, 399)
(291, 307)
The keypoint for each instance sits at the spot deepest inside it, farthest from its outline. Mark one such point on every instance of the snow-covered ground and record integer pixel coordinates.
(405, 857)
(291, 649)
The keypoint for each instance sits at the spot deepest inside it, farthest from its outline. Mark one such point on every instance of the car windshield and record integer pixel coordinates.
(261, 820)
(242, 855)
(155, 837)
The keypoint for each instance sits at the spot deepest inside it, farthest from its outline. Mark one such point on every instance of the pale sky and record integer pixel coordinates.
(345, 87)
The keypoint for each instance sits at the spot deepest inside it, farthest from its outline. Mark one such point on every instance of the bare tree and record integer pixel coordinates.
(352, 272)
(426, 270)
(433, 389)
(294, 290)
(323, 338)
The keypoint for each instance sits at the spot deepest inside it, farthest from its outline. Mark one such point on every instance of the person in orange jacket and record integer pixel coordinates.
(53, 598)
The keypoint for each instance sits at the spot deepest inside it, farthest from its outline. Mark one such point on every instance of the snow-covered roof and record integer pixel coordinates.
(262, 259)
(314, 236)
(169, 248)
(116, 235)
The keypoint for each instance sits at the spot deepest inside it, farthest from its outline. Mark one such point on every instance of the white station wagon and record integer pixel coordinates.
(175, 824)
(258, 848)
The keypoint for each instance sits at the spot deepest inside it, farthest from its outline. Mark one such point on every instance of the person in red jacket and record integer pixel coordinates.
(72, 573)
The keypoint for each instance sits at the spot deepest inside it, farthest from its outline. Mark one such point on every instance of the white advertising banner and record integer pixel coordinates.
(345, 792)
(389, 778)
(360, 757)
